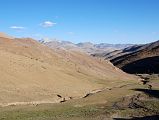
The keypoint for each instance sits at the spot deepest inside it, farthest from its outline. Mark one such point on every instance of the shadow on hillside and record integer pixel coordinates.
(152, 93)
(146, 65)
(154, 117)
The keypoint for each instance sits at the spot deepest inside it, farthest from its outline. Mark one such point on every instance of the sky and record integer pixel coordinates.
(96, 21)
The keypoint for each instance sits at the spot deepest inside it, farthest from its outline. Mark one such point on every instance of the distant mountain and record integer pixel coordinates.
(117, 46)
(64, 45)
(117, 53)
(86, 47)
(137, 59)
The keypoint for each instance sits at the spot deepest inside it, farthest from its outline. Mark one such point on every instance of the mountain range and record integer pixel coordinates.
(86, 47)
(135, 59)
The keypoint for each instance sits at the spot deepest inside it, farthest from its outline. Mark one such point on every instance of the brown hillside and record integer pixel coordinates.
(139, 60)
(32, 72)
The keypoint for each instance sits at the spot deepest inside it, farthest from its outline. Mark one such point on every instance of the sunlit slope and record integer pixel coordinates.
(31, 72)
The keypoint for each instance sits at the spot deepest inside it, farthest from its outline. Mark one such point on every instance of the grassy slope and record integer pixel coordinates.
(95, 107)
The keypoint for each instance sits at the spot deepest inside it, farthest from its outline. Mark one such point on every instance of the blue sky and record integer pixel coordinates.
(108, 21)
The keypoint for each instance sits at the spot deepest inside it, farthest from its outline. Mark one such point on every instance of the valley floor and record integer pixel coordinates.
(133, 100)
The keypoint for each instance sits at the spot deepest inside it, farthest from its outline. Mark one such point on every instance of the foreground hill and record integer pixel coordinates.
(138, 59)
(33, 73)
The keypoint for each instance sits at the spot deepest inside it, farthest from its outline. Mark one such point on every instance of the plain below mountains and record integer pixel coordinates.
(31, 72)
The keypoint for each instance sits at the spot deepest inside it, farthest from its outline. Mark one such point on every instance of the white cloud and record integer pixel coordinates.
(47, 24)
(17, 27)
(70, 33)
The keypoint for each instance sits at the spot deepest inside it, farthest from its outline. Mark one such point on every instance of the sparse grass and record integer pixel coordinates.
(39, 113)
(94, 107)
(67, 112)
(152, 108)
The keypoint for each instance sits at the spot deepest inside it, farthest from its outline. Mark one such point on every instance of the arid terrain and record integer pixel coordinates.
(39, 83)
(85, 47)
(129, 101)
(33, 73)
(79, 60)
(135, 59)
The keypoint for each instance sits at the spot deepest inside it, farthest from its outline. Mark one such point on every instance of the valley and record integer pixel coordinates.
(123, 102)
(41, 82)
(79, 60)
